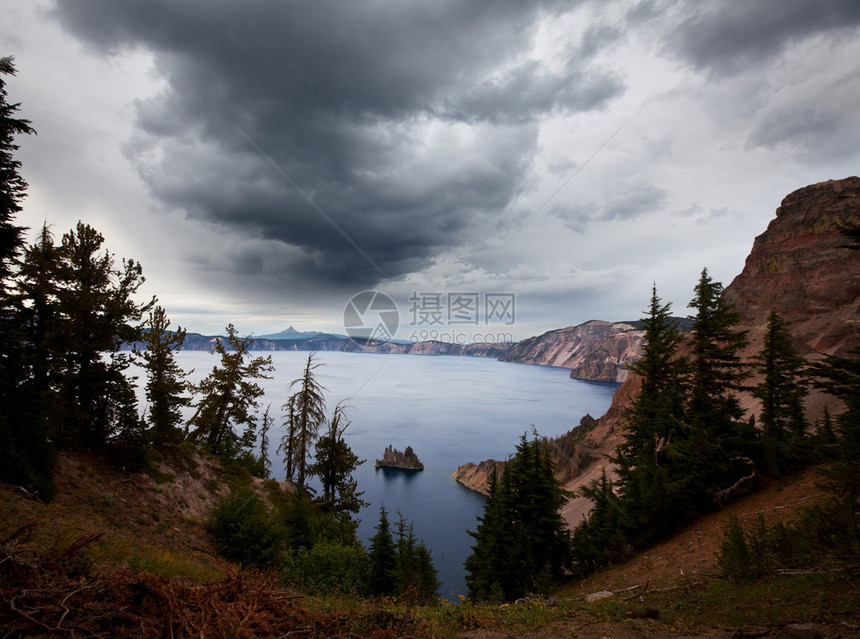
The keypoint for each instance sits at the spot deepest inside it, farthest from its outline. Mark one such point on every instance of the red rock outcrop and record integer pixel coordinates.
(595, 350)
(477, 476)
(801, 268)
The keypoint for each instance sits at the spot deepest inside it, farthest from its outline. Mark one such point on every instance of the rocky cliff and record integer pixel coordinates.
(801, 267)
(595, 350)
(477, 476)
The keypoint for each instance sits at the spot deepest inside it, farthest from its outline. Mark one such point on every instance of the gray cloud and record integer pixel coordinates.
(822, 130)
(627, 199)
(412, 126)
(727, 38)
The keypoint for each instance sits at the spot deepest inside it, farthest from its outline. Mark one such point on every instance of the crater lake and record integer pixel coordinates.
(451, 410)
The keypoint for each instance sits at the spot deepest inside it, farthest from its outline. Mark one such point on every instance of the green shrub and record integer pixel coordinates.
(327, 567)
(244, 531)
(821, 535)
(735, 559)
(246, 459)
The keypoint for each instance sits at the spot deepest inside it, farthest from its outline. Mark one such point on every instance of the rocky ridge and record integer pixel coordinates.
(801, 267)
(595, 350)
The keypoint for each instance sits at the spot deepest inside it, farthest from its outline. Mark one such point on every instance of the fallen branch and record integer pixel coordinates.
(772, 508)
(726, 494)
(638, 594)
(627, 589)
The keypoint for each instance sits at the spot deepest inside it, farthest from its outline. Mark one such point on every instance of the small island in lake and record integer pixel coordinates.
(393, 458)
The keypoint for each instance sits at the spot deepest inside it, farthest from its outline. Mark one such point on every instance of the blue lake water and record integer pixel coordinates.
(451, 410)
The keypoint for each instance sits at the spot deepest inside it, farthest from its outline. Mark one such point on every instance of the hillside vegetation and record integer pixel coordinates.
(114, 550)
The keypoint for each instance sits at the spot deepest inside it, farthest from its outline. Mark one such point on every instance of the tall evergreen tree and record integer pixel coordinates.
(782, 391)
(405, 544)
(27, 451)
(426, 578)
(40, 313)
(229, 397)
(288, 441)
(83, 310)
(166, 386)
(306, 409)
(266, 425)
(488, 565)
(13, 186)
(651, 475)
(522, 543)
(26, 378)
(603, 537)
(840, 377)
(382, 559)
(334, 464)
(415, 576)
(722, 446)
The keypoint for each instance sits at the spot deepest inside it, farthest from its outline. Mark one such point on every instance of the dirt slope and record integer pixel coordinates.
(152, 520)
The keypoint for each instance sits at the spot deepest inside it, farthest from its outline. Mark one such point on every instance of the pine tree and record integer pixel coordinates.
(722, 445)
(651, 477)
(229, 397)
(13, 187)
(27, 452)
(287, 446)
(299, 531)
(166, 385)
(487, 565)
(382, 559)
(782, 390)
(306, 410)
(82, 312)
(426, 580)
(404, 570)
(840, 376)
(26, 375)
(522, 543)
(334, 465)
(267, 424)
(414, 574)
(825, 434)
(600, 539)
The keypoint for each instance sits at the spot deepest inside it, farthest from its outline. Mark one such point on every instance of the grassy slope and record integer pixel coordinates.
(154, 524)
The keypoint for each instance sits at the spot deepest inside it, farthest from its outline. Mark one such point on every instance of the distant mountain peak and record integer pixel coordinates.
(292, 334)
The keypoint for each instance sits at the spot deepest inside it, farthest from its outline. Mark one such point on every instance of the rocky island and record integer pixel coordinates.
(393, 458)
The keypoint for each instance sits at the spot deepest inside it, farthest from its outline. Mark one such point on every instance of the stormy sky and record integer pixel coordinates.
(266, 160)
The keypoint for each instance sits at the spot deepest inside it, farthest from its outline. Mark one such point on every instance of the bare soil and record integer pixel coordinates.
(690, 554)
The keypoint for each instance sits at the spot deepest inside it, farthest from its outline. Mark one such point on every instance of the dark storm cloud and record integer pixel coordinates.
(725, 38)
(411, 126)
